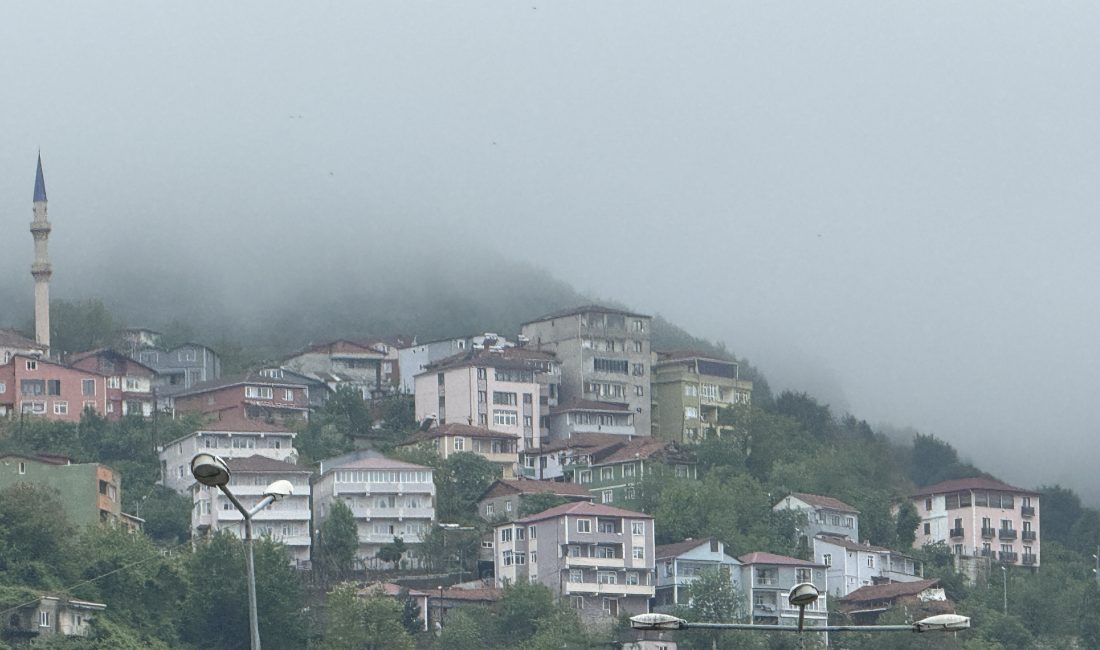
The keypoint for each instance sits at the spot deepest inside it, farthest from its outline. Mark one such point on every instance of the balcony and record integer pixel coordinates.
(985, 552)
(610, 590)
(383, 488)
(367, 512)
(1009, 558)
(1006, 533)
(1027, 511)
(1031, 559)
(596, 562)
(988, 532)
(1029, 535)
(956, 532)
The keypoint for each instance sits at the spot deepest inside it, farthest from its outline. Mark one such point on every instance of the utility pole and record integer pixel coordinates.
(1004, 574)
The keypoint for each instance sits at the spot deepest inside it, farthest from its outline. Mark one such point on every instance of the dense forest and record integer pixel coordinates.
(158, 588)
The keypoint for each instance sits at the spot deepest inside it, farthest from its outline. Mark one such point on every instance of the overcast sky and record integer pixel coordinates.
(889, 204)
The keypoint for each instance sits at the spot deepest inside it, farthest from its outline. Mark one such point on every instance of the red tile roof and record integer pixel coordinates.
(761, 557)
(888, 591)
(582, 509)
(643, 447)
(486, 594)
(960, 484)
(233, 422)
(391, 589)
(818, 501)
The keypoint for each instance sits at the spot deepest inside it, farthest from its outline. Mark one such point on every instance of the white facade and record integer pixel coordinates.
(175, 457)
(679, 565)
(286, 521)
(851, 565)
(388, 498)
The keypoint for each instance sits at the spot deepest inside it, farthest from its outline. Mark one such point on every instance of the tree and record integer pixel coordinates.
(391, 553)
(363, 622)
(167, 515)
(83, 325)
(530, 504)
(338, 544)
(460, 481)
(34, 533)
(218, 592)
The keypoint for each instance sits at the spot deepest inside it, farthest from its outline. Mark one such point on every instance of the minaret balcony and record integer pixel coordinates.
(42, 226)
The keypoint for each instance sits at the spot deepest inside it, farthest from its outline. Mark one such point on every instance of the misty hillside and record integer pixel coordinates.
(273, 306)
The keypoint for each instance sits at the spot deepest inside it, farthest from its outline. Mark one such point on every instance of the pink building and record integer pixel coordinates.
(980, 518)
(133, 379)
(508, 390)
(34, 386)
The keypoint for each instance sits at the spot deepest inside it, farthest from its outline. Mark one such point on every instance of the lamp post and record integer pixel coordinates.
(801, 596)
(212, 471)
(1004, 581)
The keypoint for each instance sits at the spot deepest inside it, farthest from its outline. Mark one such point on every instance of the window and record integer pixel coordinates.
(827, 559)
(482, 396)
(520, 558)
(639, 391)
(32, 365)
(637, 528)
(505, 534)
(928, 504)
(585, 476)
(576, 602)
(584, 525)
(22, 468)
(258, 392)
(628, 470)
(505, 418)
(870, 561)
(520, 534)
(481, 373)
(576, 575)
(507, 399)
(691, 390)
(632, 578)
(489, 508)
(637, 369)
(53, 386)
(32, 387)
(607, 496)
(639, 326)
(850, 522)
(60, 408)
(927, 528)
(607, 578)
(531, 532)
(615, 366)
(628, 492)
(637, 552)
(691, 412)
(507, 558)
(637, 346)
(459, 443)
(507, 506)
(528, 422)
(527, 398)
(611, 606)
(574, 551)
(804, 575)
(43, 617)
(3, 387)
(288, 395)
(709, 391)
(186, 355)
(607, 473)
(605, 552)
(483, 419)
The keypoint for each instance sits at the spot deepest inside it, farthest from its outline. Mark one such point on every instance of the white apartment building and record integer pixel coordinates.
(227, 439)
(510, 390)
(388, 498)
(286, 521)
(852, 565)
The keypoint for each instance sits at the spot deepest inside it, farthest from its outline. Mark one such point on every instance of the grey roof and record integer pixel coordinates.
(39, 182)
(584, 309)
(257, 463)
(13, 339)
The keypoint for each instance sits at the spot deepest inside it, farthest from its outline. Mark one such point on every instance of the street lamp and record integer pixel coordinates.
(212, 471)
(939, 623)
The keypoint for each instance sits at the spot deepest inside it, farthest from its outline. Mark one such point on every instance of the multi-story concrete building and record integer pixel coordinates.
(132, 379)
(31, 386)
(415, 358)
(370, 366)
(586, 416)
(689, 390)
(597, 556)
(388, 498)
(768, 578)
(90, 493)
(181, 367)
(680, 564)
(255, 397)
(286, 521)
(498, 447)
(824, 516)
(609, 466)
(604, 355)
(228, 438)
(852, 565)
(504, 498)
(509, 390)
(980, 519)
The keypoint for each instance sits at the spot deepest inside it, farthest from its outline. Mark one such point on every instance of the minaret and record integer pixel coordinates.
(40, 269)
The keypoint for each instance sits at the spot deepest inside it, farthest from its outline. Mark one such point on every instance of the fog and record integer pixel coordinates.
(889, 205)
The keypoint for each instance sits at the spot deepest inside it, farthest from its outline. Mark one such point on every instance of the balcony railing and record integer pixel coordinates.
(1006, 533)
(1009, 558)
(1027, 511)
(1028, 535)
(956, 532)
(985, 552)
(988, 532)
(1030, 558)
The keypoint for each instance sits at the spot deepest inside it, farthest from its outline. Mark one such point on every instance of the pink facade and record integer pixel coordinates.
(981, 518)
(37, 387)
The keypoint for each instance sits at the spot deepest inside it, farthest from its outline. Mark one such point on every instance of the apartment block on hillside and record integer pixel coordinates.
(229, 438)
(91, 493)
(824, 516)
(30, 386)
(689, 391)
(852, 565)
(768, 578)
(604, 355)
(680, 564)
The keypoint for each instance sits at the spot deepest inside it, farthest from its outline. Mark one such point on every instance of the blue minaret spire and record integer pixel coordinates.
(39, 182)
